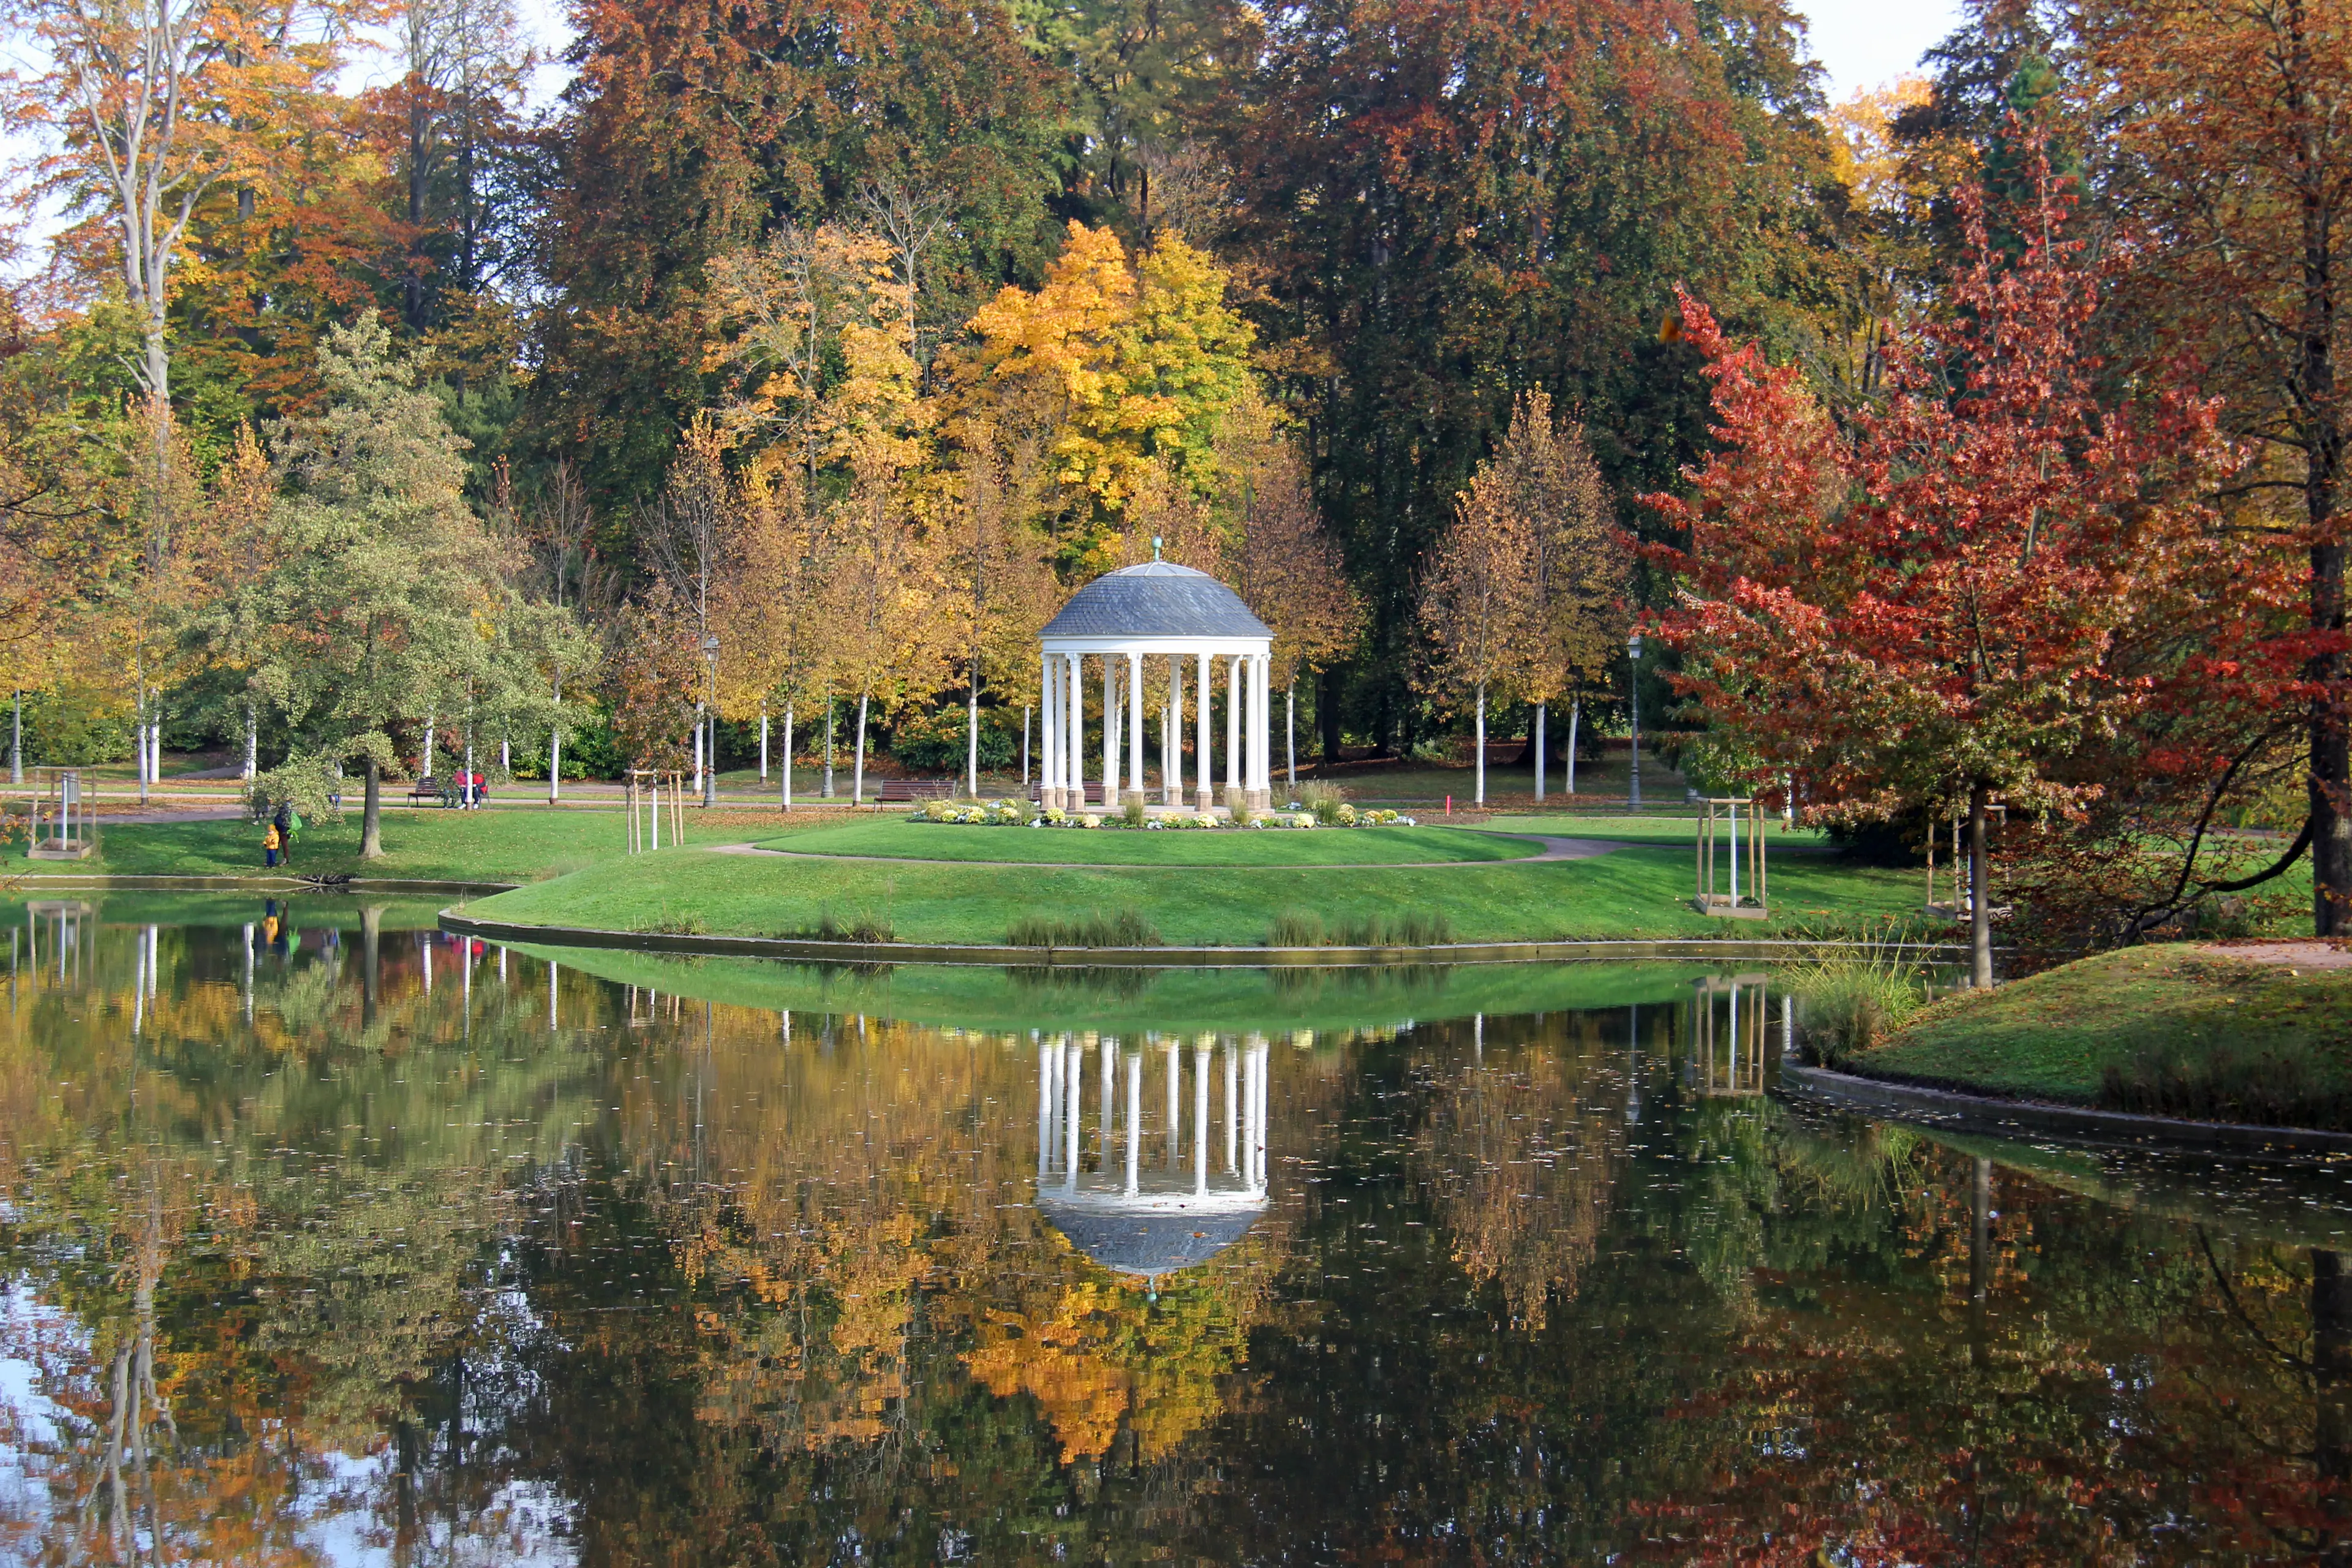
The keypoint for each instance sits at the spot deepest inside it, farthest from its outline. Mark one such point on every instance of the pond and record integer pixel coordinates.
(329, 1238)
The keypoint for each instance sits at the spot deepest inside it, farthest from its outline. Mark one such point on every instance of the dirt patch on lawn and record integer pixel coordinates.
(2311, 953)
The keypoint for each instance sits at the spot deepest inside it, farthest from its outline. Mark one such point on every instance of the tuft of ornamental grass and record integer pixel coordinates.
(1856, 998)
(830, 928)
(1324, 800)
(1093, 929)
(1409, 928)
(1134, 812)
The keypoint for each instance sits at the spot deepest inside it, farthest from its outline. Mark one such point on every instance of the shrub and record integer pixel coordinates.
(1854, 999)
(1295, 928)
(1093, 928)
(1133, 812)
(1407, 928)
(1324, 800)
(859, 928)
(934, 742)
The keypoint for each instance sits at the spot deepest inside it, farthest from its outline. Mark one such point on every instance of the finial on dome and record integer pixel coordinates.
(1155, 547)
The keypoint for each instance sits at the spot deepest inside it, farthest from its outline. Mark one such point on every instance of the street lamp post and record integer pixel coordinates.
(711, 742)
(1633, 703)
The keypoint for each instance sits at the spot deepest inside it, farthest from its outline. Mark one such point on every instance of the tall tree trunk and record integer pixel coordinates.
(372, 815)
(252, 742)
(971, 731)
(555, 748)
(1539, 738)
(1980, 894)
(17, 742)
(1290, 733)
(828, 746)
(1024, 746)
(763, 739)
(1575, 712)
(857, 774)
(785, 771)
(2331, 747)
(1481, 798)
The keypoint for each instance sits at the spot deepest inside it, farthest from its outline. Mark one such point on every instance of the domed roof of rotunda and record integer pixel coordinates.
(1156, 599)
(1146, 1241)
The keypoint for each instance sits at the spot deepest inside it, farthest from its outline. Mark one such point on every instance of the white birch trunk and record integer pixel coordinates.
(1481, 798)
(785, 772)
(828, 746)
(763, 739)
(1541, 714)
(252, 742)
(1575, 711)
(1290, 733)
(972, 734)
(858, 776)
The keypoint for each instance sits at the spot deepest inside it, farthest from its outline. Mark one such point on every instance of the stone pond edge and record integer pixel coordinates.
(1000, 955)
(2009, 1118)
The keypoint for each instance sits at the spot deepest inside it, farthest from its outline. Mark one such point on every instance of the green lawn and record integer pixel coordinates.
(1636, 892)
(510, 845)
(899, 839)
(2176, 1029)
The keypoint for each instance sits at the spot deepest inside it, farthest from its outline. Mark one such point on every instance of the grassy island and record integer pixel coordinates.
(931, 882)
(2257, 1033)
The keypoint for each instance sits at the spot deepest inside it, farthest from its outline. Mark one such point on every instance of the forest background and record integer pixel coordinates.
(801, 358)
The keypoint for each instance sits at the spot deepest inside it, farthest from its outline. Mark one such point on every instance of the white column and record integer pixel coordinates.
(1135, 725)
(1257, 1120)
(1074, 779)
(1200, 1119)
(1048, 1058)
(1074, 1104)
(1172, 786)
(1134, 1117)
(1109, 1097)
(1259, 774)
(1234, 722)
(1233, 1104)
(1048, 774)
(1175, 1106)
(1111, 732)
(1204, 773)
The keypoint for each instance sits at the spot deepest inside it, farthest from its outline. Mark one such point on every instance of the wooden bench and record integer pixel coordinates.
(427, 788)
(886, 791)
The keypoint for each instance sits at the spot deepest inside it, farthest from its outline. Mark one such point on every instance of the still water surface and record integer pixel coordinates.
(330, 1239)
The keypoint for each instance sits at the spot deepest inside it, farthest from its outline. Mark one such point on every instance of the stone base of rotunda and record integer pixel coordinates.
(1261, 800)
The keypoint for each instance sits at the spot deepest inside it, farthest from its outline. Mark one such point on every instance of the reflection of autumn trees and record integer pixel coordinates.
(265, 1240)
(1523, 1130)
(847, 1203)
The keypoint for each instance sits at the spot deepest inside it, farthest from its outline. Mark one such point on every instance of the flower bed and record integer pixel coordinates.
(1021, 814)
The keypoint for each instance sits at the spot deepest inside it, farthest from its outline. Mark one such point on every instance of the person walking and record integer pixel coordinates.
(285, 822)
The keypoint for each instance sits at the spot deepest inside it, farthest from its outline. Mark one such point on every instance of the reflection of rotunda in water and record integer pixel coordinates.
(1165, 1191)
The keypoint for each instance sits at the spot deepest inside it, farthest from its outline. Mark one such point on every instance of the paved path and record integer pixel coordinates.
(1553, 849)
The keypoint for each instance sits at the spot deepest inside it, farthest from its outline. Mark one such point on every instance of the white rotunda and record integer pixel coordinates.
(1157, 610)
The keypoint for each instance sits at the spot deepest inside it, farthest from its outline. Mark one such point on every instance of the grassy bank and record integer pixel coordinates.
(1638, 892)
(898, 839)
(510, 845)
(2177, 1030)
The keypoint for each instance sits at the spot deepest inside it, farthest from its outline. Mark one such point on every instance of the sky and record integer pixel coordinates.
(1868, 43)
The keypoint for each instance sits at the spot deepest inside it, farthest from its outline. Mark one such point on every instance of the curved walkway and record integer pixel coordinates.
(1553, 849)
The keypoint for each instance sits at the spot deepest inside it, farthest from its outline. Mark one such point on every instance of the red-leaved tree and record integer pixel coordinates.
(2004, 582)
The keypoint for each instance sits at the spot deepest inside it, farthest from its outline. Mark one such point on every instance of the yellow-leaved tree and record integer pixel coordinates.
(1125, 363)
